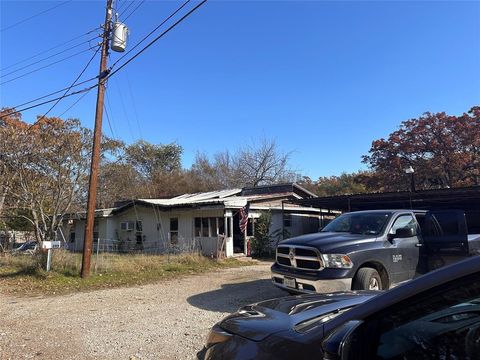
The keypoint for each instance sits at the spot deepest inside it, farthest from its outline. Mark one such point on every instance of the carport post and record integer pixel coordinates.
(283, 221)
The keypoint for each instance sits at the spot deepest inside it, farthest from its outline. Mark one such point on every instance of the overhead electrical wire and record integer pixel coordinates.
(56, 92)
(111, 73)
(50, 101)
(34, 16)
(154, 40)
(128, 6)
(46, 58)
(70, 87)
(46, 66)
(136, 8)
(75, 103)
(151, 32)
(53, 48)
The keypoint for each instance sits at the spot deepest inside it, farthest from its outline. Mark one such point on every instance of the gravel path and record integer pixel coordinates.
(167, 320)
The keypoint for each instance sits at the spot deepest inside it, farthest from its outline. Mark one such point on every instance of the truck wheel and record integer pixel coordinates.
(367, 279)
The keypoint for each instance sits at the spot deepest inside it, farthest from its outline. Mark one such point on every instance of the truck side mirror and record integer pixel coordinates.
(401, 233)
(404, 233)
(338, 344)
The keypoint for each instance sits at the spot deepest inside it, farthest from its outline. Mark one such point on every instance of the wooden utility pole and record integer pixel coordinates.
(97, 140)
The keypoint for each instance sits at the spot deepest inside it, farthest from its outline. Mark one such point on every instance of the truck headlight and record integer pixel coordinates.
(337, 261)
(217, 335)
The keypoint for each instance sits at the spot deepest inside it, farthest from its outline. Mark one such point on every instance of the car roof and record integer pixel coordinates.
(423, 283)
(387, 210)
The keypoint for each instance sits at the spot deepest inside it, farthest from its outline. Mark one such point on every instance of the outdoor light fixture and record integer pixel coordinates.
(410, 170)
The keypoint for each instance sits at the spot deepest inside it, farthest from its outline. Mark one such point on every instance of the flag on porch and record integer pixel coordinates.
(244, 217)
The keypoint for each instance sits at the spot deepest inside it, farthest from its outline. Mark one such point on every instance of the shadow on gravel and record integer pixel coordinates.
(232, 296)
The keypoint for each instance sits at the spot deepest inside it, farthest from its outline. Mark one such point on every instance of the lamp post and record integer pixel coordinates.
(411, 171)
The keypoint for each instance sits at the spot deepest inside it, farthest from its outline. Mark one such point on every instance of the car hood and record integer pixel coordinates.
(257, 321)
(329, 241)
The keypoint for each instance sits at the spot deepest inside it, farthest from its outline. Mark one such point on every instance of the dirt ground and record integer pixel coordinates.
(167, 320)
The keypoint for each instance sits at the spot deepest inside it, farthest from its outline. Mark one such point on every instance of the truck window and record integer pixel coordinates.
(404, 221)
(359, 223)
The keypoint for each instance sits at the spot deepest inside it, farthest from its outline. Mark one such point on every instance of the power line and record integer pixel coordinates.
(46, 66)
(46, 58)
(129, 5)
(110, 74)
(55, 92)
(75, 103)
(50, 101)
(34, 16)
(156, 39)
(151, 32)
(52, 48)
(136, 8)
(70, 87)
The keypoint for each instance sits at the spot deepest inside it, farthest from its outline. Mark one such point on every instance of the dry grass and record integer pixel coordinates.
(24, 275)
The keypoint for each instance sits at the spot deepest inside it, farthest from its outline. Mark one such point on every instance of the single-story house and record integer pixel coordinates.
(197, 221)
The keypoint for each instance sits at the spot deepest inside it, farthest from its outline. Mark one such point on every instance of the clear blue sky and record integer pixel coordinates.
(324, 79)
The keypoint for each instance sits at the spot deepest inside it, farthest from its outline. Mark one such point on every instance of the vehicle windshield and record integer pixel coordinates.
(359, 223)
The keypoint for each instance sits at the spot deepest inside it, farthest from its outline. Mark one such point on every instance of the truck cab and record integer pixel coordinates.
(372, 250)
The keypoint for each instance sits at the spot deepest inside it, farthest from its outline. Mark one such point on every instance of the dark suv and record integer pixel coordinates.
(436, 316)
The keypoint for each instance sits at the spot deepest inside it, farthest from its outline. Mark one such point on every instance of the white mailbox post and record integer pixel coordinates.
(49, 245)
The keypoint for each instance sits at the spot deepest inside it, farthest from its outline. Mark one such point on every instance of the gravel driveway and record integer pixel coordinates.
(167, 320)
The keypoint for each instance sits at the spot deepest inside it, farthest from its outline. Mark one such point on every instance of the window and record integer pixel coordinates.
(250, 227)
(126, 225)
(95, 236)
(287, 220)
(404, 221)
(72, 237)
(443, 326)
(441, 323)
(205, 227)
(221, 225)
(213, 226)
(174, 231)
(209, 227)
(138, 232)
(198, 227)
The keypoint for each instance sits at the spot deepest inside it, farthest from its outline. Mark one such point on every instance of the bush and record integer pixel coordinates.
(261, 243)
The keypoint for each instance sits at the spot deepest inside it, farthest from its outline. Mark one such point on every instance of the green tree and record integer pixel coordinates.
(262, 241)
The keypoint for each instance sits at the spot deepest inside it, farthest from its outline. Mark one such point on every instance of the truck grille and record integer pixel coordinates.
(299, 257)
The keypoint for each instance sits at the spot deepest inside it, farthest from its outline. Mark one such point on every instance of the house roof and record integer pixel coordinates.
(231, 198)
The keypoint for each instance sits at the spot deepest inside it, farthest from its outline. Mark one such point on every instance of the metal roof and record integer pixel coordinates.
(466, 198)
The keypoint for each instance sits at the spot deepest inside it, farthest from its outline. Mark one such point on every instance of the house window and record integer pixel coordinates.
(174, 230)
(287, 220)
(72, 237)
(95, 236)
(198, 227)
(213, 226)
(205, 227)
(138, 232)
(250, 227)
(127, 225)
(221, 225)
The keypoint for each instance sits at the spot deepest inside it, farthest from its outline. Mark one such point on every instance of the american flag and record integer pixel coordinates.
(244, 217)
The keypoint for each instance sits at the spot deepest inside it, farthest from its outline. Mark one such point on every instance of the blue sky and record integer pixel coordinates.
(324, 79)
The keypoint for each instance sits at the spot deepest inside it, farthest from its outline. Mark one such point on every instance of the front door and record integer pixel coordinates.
(404, 251)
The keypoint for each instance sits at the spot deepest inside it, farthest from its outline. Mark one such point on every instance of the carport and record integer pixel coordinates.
(466, 198)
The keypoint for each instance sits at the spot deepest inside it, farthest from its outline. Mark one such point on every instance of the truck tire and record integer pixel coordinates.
(367, 279)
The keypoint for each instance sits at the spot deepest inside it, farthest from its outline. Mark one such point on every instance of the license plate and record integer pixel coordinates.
(289, 282)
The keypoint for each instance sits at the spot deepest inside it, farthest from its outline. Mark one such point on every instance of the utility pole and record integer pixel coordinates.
(97, 139)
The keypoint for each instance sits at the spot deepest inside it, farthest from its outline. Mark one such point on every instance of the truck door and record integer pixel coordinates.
(405, 250)
(446, 233)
